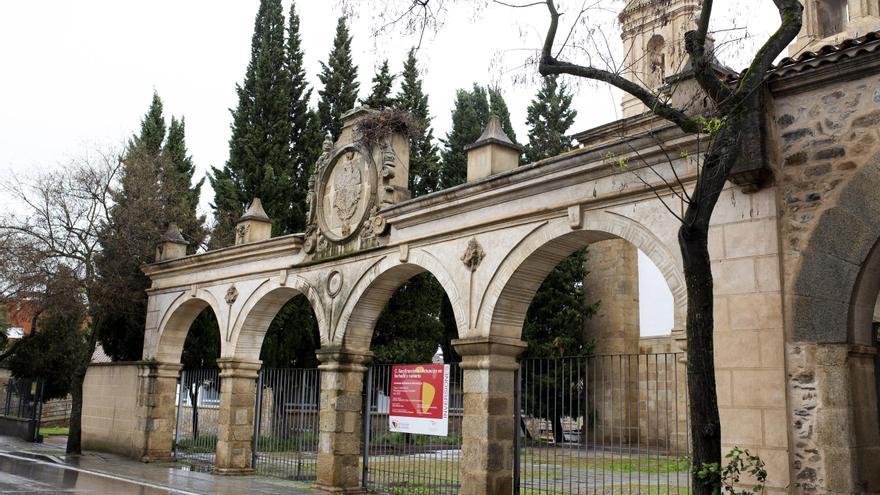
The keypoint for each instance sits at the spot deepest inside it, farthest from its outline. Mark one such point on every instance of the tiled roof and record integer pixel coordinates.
(828, 54)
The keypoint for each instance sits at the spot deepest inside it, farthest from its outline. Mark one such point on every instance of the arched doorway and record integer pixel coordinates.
(278, 332)
(396, 317)
(834, 302)
(619, 409)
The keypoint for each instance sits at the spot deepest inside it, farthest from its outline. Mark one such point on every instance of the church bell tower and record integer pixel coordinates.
(653, 42)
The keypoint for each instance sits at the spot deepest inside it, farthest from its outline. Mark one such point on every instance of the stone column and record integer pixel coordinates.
(488, 425)
(235, 428)
(339, 445)
(613, 279)
(156, 411)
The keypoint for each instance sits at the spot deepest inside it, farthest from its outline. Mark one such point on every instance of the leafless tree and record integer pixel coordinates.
(729, 124)
(55, 226)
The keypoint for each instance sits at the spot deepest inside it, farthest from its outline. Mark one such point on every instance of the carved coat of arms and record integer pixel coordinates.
(348, 189)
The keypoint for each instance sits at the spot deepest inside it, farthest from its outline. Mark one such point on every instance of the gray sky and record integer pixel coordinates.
(81, 74)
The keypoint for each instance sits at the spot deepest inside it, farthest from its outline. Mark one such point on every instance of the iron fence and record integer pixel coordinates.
(286, 426)
(198, 404)
(404, 463)
(23, 398)
(602, 424)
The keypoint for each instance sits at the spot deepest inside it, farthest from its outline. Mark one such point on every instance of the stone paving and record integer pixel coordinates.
(160, 477)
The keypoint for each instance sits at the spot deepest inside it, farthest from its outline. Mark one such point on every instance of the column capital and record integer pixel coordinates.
(155, 369)
(337, 358)
(239, 368)
(489, 353)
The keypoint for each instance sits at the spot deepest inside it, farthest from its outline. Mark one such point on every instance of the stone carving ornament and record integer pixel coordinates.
(473, 255)
(349, 184)
(231, 295)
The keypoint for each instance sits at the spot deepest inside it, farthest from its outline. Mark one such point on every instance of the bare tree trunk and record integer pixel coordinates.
(705, 423)
(194, 408)
(74, 437)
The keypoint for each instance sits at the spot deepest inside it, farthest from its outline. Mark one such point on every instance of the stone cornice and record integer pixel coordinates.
(242, 253)
(542, 176)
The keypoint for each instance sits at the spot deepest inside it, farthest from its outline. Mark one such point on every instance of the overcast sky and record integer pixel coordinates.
(79, 75)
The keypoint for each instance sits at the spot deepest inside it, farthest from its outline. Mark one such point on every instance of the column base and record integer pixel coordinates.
(233, 471)
(157, 458)
(333, 489)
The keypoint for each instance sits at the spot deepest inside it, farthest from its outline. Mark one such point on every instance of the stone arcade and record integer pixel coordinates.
(795, 248)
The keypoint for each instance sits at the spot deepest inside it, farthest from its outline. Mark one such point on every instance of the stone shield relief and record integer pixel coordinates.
(346, 193)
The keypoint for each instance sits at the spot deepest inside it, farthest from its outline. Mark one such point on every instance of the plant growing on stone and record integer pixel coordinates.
(727, 479)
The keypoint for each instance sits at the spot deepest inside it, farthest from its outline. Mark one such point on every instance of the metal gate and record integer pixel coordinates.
(602, 424)
(286, 426)
(23, 399)
(402, 463)
(198, 404)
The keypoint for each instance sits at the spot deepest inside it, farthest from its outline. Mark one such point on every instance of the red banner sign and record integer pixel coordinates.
(420, 399)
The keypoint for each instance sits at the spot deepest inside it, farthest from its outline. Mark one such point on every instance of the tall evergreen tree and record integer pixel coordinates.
(549, 117)
(339, 77)
(469, 118)
(179, 195)
(498, 107)
(424, 162)
(380, 97)
(306, 135)
(259, 164)
(155, 189)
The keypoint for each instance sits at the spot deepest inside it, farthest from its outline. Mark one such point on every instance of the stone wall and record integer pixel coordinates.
(823, 138)
(110, 409)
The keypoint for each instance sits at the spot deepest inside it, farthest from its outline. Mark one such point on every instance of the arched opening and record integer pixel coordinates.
(655, 64)
(832, 16)
(833, 304)
(608, 391)
(191, 337)
(864, 369)
(405, 317)
(280, 326)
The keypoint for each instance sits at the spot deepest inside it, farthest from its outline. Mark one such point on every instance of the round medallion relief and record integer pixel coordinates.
(334, 283)
(346, 193)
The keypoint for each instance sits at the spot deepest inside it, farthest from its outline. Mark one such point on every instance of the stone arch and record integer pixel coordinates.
(834, 293)
(831, 284)
(510, 292)
(371, 292)
(249, 329)
(177, 320)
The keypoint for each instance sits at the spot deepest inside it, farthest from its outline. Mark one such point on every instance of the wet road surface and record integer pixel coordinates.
(33, 476)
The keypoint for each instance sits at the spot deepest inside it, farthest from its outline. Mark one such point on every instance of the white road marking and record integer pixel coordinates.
(100, 474)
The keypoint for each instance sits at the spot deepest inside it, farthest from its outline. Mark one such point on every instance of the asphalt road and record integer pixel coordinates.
(22, 475)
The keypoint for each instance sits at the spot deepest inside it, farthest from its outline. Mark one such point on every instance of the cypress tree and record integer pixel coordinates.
(549, 116)
(155, 189)
(469, 118)
(305, 128)
(339, 77)
(259, 162)
(180, 195)
(498, 107)
(424, 163)
(380, 98)
(152, 134)
(555, 319)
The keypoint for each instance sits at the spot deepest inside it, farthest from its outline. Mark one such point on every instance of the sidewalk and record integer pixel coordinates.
(164, 476)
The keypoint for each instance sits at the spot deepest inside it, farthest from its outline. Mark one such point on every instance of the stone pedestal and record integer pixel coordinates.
(339, 445)
(488, 425)
(235, 432)
(157, 388)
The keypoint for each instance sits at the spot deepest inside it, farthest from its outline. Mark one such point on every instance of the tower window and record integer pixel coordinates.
(832, 16)
(656, 61)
